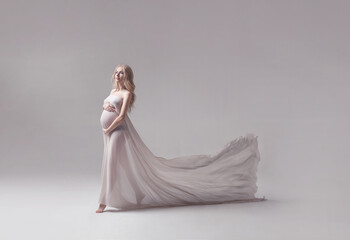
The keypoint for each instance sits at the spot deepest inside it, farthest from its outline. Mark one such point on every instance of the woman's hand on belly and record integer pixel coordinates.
(106, 130)
(108, 107)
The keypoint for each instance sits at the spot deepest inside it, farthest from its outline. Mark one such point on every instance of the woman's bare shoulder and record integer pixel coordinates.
(125, 92)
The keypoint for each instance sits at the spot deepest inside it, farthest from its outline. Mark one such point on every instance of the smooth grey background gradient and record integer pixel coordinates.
(205, 72)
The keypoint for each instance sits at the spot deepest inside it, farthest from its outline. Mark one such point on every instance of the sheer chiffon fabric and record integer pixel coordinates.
(133, 177)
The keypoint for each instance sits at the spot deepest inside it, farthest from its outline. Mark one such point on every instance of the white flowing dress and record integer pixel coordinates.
(133, 177)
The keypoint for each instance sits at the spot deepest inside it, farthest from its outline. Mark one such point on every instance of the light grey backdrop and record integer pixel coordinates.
(205, 72)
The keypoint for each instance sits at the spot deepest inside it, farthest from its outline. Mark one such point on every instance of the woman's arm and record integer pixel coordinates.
(118, 120)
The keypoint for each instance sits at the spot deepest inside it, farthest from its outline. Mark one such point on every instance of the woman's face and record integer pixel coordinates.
(119, 75)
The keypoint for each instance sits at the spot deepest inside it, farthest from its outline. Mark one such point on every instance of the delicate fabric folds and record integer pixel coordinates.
(133, 177)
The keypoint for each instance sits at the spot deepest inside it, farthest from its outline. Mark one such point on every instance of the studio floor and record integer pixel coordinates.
(63, 207)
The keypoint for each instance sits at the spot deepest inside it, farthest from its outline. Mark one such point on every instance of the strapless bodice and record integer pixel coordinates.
(115, 100)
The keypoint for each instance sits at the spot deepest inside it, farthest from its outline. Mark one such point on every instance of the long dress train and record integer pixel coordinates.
(133, 177)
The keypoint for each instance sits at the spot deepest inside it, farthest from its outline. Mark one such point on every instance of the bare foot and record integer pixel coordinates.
(101, 208)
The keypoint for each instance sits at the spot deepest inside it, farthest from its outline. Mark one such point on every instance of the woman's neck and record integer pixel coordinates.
(119, 88)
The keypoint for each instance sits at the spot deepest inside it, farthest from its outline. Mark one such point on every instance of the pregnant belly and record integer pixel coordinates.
(107, 118)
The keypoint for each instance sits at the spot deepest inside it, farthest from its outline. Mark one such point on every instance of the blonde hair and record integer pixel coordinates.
(128, 82)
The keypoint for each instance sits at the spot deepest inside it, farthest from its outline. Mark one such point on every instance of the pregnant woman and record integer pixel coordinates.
(133, 177)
